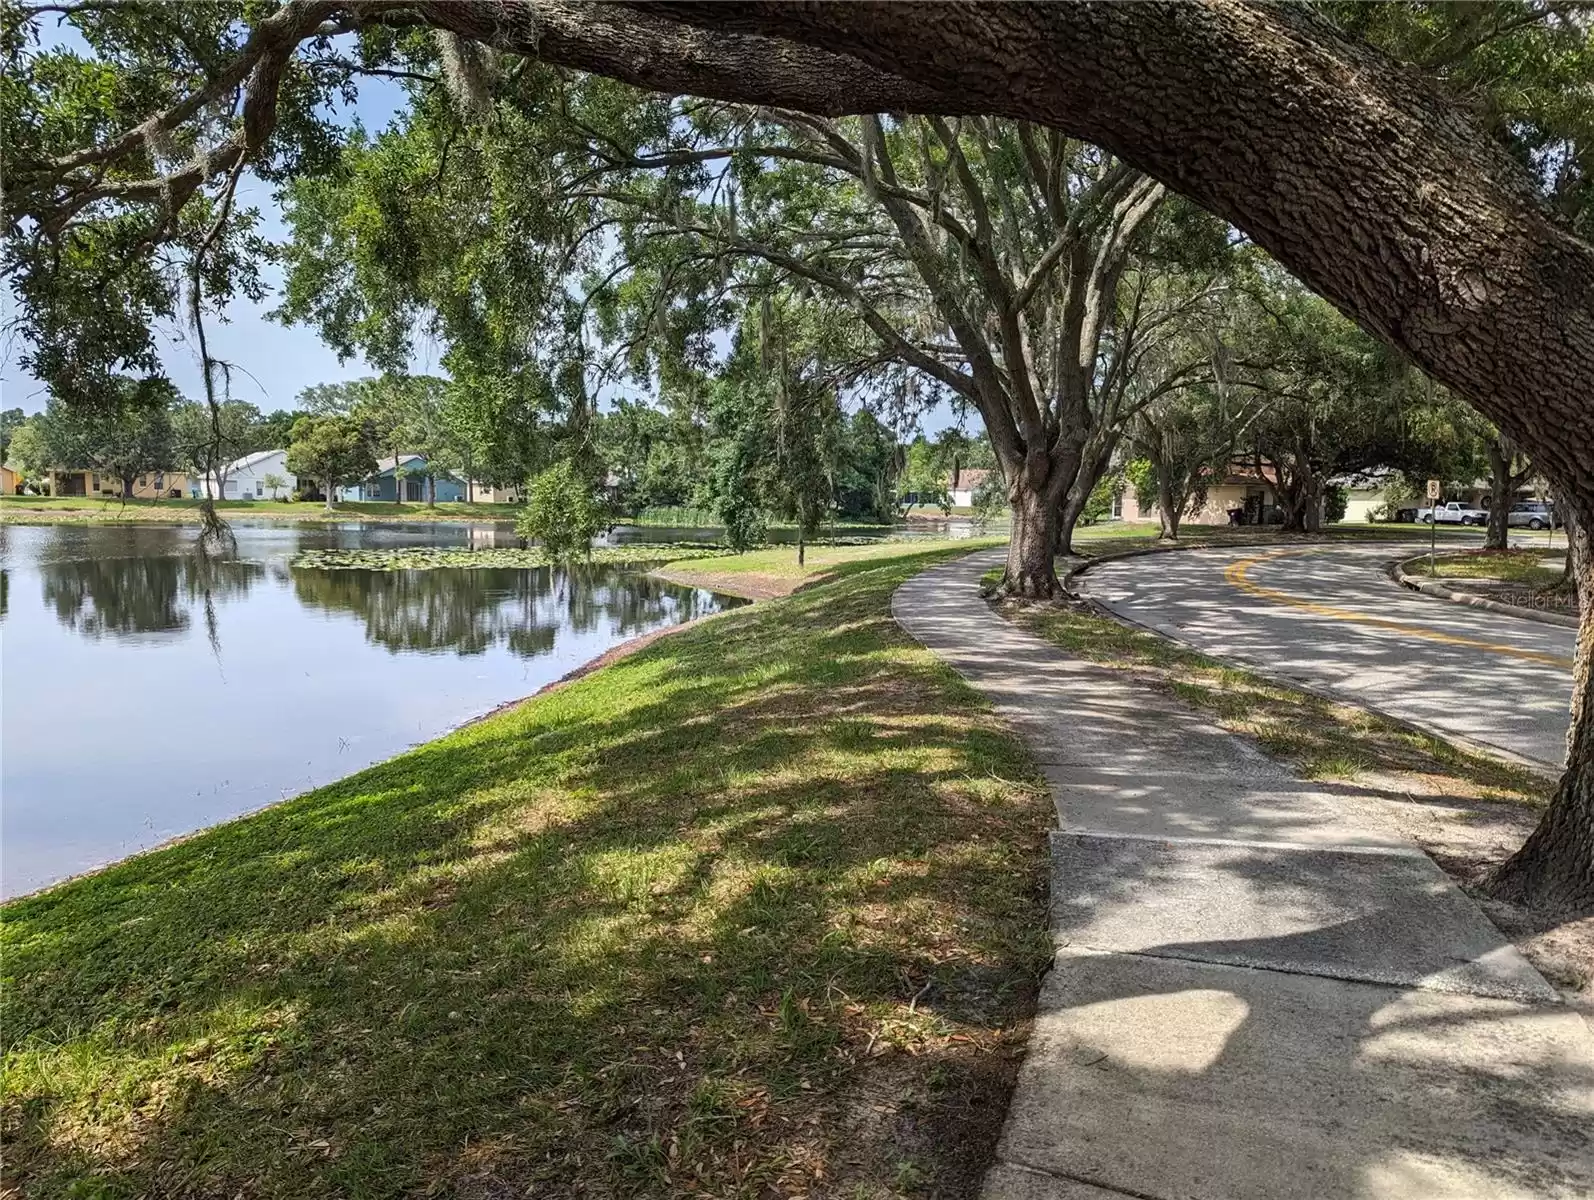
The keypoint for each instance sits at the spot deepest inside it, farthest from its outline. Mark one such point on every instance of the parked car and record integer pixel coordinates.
(1535, 514)
(1453, 513)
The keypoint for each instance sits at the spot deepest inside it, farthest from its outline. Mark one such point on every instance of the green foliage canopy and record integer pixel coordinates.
(332, 450)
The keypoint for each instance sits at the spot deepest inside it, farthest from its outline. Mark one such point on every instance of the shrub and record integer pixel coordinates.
(745, 523)
(1335, 500)
(561, 513)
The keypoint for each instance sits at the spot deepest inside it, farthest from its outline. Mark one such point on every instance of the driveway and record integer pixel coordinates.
(1329, 617)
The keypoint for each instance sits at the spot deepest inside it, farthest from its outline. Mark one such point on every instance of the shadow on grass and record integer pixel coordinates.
(758, 907)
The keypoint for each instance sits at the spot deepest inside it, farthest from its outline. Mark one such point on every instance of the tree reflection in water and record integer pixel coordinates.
(143, 594)
(467, 611)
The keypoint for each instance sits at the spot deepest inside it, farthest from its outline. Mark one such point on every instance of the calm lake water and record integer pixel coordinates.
(148, 692)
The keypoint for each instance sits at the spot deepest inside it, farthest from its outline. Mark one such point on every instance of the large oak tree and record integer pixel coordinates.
(1358, 173)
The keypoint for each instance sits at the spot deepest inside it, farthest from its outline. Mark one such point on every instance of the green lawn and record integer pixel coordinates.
(757, 910)
(774, 570)
(41, 510)
(1524, 567)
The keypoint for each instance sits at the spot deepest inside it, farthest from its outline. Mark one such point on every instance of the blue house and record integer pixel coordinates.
(409, 473)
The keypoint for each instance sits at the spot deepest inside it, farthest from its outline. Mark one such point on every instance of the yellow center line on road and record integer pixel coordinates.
(1237, 574)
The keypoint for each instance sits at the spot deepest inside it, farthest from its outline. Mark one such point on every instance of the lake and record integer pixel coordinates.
(149, 691)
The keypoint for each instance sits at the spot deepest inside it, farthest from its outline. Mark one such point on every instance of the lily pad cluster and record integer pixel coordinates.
(426, 558)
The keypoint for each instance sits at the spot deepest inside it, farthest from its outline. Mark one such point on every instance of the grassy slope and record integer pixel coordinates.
(758, 907)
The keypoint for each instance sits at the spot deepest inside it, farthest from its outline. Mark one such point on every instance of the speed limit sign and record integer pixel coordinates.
(1433, 489)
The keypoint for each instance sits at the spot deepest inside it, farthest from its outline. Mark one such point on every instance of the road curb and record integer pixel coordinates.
(1090, 563)
(1431, 587)
(1547, 771)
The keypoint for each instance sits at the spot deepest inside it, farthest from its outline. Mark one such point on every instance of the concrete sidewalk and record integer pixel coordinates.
(1257, 991)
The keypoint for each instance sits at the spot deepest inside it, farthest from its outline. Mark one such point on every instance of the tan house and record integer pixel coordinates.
(10, 481)
(1245, 497)
(483, 493)
(155, 485)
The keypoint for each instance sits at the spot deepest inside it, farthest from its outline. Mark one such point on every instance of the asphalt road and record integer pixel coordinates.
(1329, 617)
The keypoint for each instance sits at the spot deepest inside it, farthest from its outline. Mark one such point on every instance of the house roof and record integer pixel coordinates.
(249, 460)
(969, 477)
(385, 466)
(1246, 473)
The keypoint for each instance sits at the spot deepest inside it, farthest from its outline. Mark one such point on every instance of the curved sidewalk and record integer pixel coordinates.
(1257, 993)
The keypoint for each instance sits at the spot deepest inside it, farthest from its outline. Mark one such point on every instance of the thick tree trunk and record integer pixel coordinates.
(1498, 531)
(1303, 503)
(1294, 508)
(1312, 504)
(326, 487)
(1032, 549)
(1555, 866)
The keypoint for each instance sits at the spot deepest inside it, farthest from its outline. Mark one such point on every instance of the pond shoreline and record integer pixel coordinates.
(257, 681)
(48, 510)
(612, 655)
(705, 876)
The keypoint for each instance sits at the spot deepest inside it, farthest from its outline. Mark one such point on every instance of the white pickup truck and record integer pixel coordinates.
(1452, 514)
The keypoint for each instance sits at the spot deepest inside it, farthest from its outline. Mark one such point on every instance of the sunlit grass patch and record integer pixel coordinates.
(1524, 567)
(775, 571)
(758, 908)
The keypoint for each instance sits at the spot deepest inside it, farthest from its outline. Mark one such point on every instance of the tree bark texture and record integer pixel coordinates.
(1167, 506)
(1555, 866)
(1032, 546)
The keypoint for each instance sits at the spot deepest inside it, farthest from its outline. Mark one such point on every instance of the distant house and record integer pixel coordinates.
(245, 478)
(1371, 492)
(1381, 492)
(961, 485)
(10, 481)
(486, 493)
(154, 485)
(1244, 489)
(409, 472)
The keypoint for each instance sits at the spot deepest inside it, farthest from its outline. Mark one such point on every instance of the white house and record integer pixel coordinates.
(968, 481)
(245, 478)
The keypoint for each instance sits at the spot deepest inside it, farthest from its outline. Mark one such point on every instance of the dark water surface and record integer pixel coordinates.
(148, 691)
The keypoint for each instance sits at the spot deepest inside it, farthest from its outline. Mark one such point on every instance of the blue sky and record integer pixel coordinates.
(274, 363)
